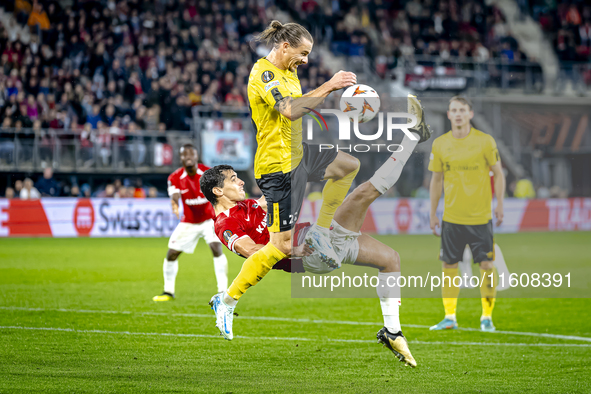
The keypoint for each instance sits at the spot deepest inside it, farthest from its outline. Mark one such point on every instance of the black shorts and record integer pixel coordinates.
(285, 192)
(455, 237)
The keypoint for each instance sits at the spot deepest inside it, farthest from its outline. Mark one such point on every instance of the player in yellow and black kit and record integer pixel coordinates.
(283, 164)
(460, 162)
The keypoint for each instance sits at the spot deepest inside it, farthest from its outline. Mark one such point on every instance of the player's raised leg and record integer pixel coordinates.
(340, 174)
(387, 175)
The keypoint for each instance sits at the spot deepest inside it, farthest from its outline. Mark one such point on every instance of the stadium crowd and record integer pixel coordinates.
(118, 64)
(140, 64)
(387, 30)
(569, 25)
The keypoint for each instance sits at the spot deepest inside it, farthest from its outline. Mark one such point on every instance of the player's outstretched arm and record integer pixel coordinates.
(294, 109)
(435, 189)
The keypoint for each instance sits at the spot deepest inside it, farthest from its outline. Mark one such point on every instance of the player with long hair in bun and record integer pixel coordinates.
(283, 163)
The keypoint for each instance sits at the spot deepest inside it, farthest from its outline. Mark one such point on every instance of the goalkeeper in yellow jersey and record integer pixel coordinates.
(460, 162)
(283, 164)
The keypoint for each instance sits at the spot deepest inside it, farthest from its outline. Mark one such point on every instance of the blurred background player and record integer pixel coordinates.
(197, 222)
(460, 161)
(283, 164)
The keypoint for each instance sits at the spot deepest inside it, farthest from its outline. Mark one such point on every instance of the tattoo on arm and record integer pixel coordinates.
(283, 104)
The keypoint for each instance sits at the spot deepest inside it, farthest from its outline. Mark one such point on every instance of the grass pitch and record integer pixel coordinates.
(76, 316)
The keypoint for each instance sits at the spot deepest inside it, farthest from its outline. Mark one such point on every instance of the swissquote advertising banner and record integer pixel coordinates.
(73, 217)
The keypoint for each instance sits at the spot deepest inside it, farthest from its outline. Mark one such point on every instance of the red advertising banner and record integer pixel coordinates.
(72, 217)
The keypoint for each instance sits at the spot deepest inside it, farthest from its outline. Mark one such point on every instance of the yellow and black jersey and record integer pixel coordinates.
(465, 164)
(279, 139)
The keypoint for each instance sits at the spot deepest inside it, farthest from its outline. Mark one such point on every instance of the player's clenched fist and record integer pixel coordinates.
(343, 79)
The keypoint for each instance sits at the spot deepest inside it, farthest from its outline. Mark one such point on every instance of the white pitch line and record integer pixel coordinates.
(180, 335)
(293, 320)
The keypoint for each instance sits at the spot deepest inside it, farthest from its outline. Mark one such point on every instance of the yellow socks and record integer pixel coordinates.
(333, 194)
(450, 292)
(254, 269)
(488, 290)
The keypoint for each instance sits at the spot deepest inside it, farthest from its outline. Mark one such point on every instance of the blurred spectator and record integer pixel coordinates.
(234, 98)
(121, 192)
(39, 17)
(109, 192)
(75, 191)
(557, 192)
(152, 192)
(138, 191)
(9, 193)
(28, 191)
(85, 189)
(94, 117)
(47, 185)
(87, 145)
(18, 186)
(524, 189)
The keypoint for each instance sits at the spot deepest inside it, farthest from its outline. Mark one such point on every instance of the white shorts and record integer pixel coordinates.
(345, 244)
(186, 235)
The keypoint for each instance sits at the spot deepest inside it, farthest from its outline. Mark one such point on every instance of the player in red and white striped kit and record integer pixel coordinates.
(196, 223)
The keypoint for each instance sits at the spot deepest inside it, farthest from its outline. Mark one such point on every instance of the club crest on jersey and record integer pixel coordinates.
(267, 76)
(228, 235)
(255, 205)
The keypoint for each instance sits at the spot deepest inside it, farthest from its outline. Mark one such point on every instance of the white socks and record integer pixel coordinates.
(387, 175)
(220, 266)
(229, 300)
(389, 294)
(170, 269)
